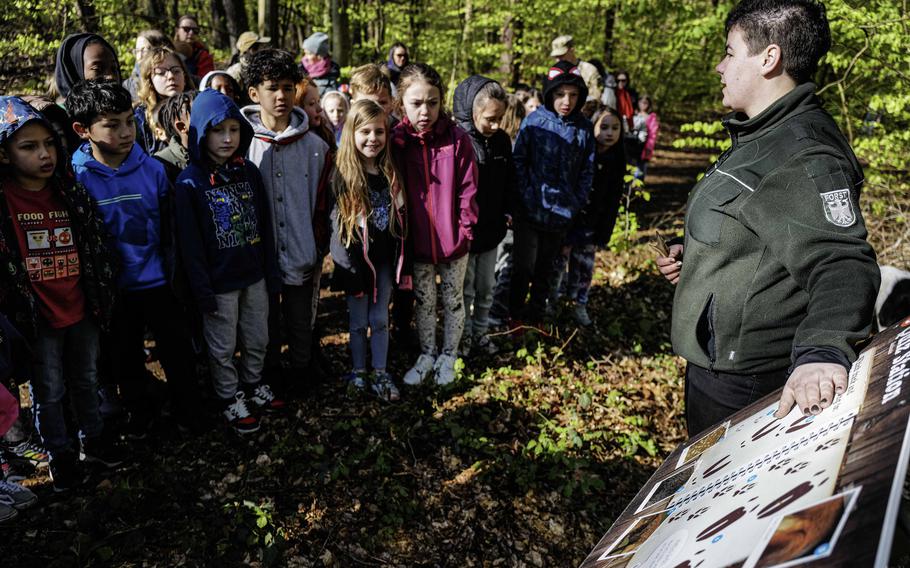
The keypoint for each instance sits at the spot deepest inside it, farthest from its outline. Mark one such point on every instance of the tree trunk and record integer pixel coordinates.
(507, 39)
(609, 24)
(465, 47)
(235, 17)
(273, 21)
(341, 33)
(88, 16)
(518, 27)
(157, 12)
(219, 35)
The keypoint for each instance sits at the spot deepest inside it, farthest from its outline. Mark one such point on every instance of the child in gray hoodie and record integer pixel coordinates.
(294, 163)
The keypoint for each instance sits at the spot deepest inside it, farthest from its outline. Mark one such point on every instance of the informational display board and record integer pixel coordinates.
(756, 491)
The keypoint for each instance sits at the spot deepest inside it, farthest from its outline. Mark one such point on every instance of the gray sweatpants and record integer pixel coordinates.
(478, 291)
(244, 315)
(451, 288)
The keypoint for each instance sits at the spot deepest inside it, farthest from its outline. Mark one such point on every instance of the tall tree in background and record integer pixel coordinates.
(341, 32)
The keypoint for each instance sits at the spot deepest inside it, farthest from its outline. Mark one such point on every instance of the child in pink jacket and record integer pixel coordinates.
(436, 160)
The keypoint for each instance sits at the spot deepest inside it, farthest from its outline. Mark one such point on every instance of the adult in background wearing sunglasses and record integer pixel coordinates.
(200, 61)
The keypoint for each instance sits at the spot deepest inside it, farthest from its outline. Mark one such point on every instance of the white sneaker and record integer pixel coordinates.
(420, 371)
(445, 369)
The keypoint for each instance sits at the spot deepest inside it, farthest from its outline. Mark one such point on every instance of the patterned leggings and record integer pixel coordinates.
(580, 259)
(451, 288)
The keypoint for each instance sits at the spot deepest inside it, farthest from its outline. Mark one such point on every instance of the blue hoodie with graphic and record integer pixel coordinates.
(224, 229)
(129, 201)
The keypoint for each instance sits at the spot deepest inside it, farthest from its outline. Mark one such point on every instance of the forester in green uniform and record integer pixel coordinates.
(775, 282)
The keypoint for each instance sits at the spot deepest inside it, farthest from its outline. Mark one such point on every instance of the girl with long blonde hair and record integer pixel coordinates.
(368, 241)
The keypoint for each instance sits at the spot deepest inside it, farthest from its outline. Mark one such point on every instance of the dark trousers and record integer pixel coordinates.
(158, 310)
(712, 396)
(294, 308)
(402, 308)
(532, 264)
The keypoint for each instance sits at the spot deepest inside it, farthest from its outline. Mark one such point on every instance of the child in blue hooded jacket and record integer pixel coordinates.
(225, 240)
(131, 190)
(554, 164)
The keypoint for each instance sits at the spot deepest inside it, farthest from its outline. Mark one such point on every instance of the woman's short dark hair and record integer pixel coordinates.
(799, 27)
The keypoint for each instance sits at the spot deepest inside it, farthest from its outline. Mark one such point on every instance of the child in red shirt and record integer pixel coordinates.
(59, 289)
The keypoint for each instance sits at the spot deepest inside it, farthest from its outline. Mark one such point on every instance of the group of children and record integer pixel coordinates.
(210, 234)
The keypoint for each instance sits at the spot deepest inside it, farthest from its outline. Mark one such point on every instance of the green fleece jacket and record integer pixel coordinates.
(776, 270)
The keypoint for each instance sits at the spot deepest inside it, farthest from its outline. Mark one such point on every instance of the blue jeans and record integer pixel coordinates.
(66, 357)
(363, 313)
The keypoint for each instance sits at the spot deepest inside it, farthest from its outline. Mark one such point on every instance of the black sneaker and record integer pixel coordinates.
(138, 425)
(262, 396)
(27, 450)
(66, 473)
(237, 413)
(14, 468)
(102, 450)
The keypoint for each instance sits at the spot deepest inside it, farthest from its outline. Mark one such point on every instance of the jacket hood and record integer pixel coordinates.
(205, 82)
(298, 126)
(211, 108)
(69, 69)
(83, 158)
(564, 73)
(463, 103)
(16, 114)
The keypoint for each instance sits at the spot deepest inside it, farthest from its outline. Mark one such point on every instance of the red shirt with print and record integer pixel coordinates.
(48, 247)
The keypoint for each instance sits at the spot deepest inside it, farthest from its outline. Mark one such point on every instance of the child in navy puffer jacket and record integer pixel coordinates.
(554, 162)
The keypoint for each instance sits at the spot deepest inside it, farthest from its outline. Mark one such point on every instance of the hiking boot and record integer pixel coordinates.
(420, 371)
(28, 450)
(383, 386)
(102, 450)
(14, 468)
(16, 496)
(444, 369)
(262, 396)
(66, 472)
(485, 345)
(580, 314)
(356, 380)
(237, 413)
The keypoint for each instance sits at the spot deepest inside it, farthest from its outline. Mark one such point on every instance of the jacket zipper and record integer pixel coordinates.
(426, 173)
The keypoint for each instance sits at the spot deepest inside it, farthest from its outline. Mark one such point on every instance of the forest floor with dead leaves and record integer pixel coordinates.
(526, 460)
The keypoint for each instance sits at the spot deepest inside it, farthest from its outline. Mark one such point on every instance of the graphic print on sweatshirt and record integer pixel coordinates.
(47, 244)
(234, 215)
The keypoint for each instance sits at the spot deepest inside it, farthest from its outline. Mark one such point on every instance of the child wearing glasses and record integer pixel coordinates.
(162, 74)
